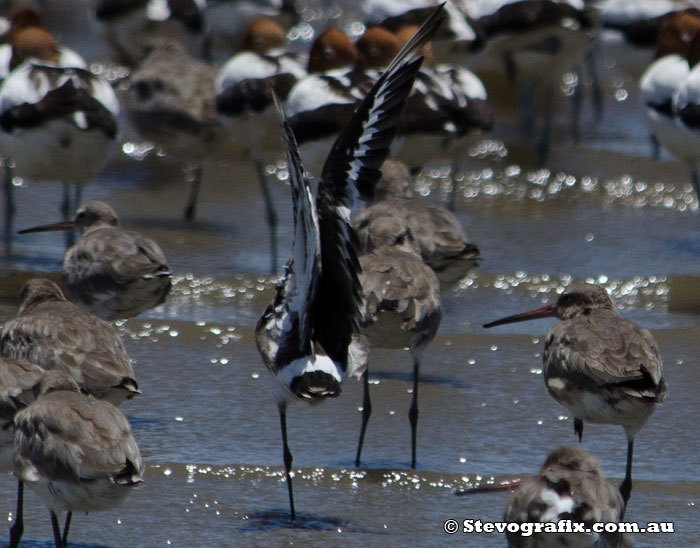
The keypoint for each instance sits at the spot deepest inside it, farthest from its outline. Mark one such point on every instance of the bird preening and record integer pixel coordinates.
(309, 335)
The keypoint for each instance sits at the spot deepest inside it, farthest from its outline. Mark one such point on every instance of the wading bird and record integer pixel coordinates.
(76, 452)
(309, 335)
(111, 272)
(442, 242)
(603, 368)
(400, 306)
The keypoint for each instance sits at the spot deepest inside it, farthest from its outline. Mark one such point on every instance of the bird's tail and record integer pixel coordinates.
(312, 378)
(315, 385)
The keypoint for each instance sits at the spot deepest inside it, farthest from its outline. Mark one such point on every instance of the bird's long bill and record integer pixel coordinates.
(548, 311)
(62, 225)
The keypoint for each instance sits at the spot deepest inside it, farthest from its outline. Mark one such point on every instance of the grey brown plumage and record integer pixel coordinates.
(604, 368)
(395, 280)
(76, 452)
(111, 272)
(17, 380)
(171, 99)
(401, 303)
(442, 242)
(569, 486)
(55, 334)
(594, 349)
(171, 93)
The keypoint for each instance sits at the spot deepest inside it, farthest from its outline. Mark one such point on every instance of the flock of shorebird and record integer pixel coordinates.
(372, 280)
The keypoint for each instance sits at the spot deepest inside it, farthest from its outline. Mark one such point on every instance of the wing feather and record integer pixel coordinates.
(352, 169)
(616, 355)
(306, 247)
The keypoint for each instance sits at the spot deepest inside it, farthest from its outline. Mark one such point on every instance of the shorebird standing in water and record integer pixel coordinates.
(77, 452)
(400, 307)
(58, 121)
(603, 368)
(309, 335)
(244, 88)
(170, 98)
(111, 272)
(570, 486)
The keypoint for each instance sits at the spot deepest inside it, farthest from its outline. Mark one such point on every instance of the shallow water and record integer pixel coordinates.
(207, 424)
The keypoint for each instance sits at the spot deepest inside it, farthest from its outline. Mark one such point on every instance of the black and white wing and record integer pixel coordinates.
(284, 331)
(35, 94)
(361, 148)
(352, 168)
(306, 248)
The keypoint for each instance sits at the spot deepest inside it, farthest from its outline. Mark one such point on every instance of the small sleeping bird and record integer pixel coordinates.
(570, 486)
(54, 333)
(113, 273)
(76, 452)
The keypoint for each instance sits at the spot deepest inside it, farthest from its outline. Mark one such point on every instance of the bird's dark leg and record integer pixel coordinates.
(510, 66)
(56, 531)
(577, 105)
(545, 136)
(18, 526)
(66, 528)
(578, 428)
(77, 198)
(287, 455)
(656, 147)
(366, 412)
(696, 182)
(194, 177)
(207, 47)
(527, 110)
(10, 208)
(270, 212)
(452, 199)
(596, 88)
(626, 485)
(65, 204)
(67, 210)
(413, 411)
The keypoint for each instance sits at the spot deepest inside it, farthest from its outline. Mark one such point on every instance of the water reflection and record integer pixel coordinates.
(279, 519)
